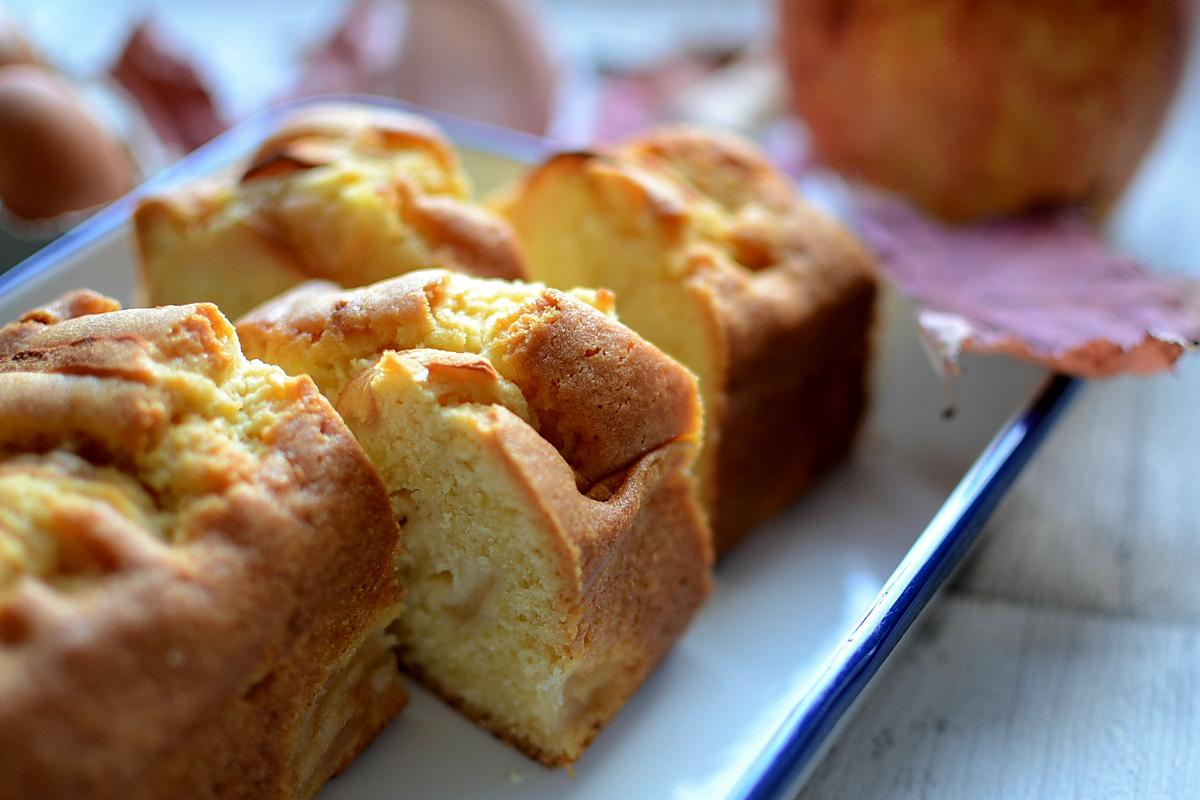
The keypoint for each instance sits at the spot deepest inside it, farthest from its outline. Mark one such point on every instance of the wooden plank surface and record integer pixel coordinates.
(996, 699)
(1065, 659)
(1106, 518)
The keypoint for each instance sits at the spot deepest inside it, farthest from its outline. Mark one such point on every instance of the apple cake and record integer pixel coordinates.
(197, 565)
(714, 258)
(537, 456)
(347, 193)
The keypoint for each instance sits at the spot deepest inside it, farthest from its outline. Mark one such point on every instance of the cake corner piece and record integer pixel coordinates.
(536, 453)
(198, 564)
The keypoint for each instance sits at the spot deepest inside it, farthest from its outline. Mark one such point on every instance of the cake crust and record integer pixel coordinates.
(566, 357)
(592, 428)
(339, 192)
(197, 608)
(782, 299)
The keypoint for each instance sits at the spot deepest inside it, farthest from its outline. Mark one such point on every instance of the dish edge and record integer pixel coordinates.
(786, 761)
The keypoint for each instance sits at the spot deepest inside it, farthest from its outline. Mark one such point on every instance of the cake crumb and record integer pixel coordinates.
(515, 777)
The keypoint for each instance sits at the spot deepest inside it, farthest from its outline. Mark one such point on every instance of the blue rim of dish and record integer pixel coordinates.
(779, 769)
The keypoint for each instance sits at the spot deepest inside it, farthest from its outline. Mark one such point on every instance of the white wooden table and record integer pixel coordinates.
(1064, 661)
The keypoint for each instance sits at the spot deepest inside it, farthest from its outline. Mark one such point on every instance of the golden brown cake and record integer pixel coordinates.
(197, 565)
(537, 454)
(714, 258)
(341, 192)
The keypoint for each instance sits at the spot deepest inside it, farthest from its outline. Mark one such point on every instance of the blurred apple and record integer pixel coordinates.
(977, 108)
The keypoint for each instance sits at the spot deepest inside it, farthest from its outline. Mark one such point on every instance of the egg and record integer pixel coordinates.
(55, 155)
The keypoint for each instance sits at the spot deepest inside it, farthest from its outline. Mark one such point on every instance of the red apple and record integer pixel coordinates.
(978, 108)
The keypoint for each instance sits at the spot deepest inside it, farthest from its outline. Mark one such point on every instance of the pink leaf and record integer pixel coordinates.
(173, 97)
(1041, 287)
(359, 54)
(484, 60)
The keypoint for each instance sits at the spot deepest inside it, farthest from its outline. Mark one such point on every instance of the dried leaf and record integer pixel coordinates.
(1042, 287)
(359, 54)
(487, 61)
(173, 97)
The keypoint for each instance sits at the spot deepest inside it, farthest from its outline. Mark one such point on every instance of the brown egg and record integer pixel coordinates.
(55, 155)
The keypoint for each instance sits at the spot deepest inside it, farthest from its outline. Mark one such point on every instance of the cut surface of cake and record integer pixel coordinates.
(197, 565)
(341, 192)
(714, 258)
(537, 455)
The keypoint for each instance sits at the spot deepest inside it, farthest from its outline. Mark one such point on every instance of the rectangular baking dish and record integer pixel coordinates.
(803, 615)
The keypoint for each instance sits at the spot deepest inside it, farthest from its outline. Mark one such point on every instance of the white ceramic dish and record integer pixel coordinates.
(803, 615)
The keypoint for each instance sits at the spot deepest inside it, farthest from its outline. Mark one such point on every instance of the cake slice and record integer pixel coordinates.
(714, 258)
(197, 565)
(537, 455)
(347, 193)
